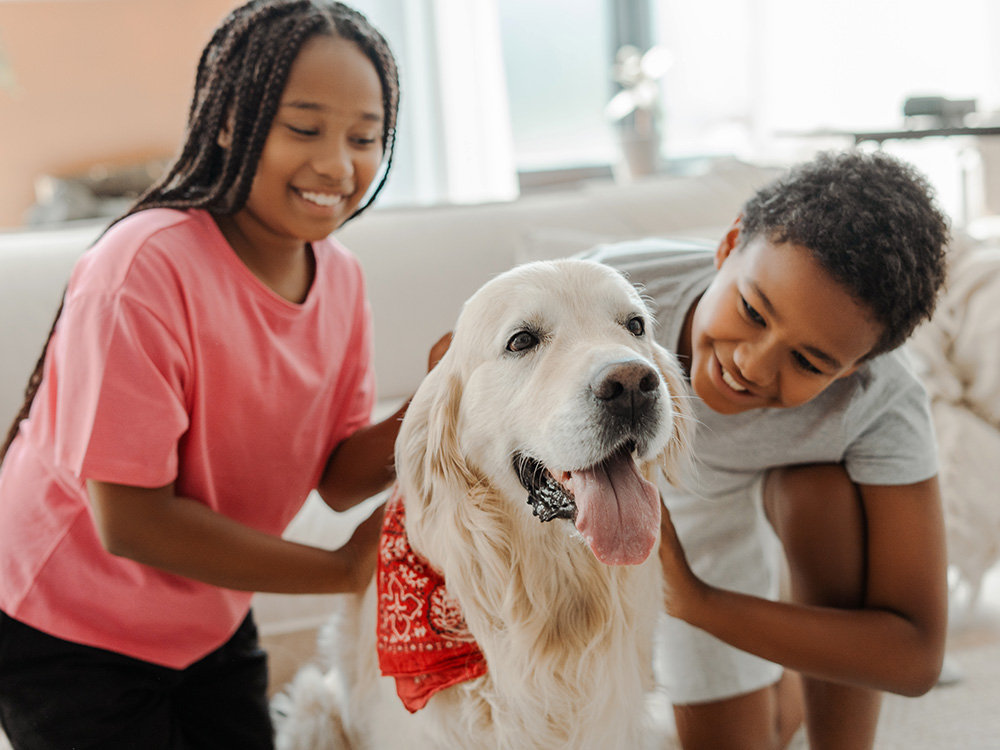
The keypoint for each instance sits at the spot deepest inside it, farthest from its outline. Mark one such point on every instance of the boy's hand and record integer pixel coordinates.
(679, 582)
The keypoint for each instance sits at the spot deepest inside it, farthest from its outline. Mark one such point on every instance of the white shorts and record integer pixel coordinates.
(729, 543)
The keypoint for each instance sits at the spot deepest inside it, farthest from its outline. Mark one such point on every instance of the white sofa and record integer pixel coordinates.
(422, 263)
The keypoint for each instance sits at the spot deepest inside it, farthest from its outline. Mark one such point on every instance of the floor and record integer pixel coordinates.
(981, 625)
(975, 711)
(961, 713)
(972, 633)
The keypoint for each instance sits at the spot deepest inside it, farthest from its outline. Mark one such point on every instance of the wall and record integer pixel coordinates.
(91, 81)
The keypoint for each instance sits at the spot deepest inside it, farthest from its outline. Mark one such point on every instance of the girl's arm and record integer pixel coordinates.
(182, 536)
(895, 642)
(364, 464)
(179, 535)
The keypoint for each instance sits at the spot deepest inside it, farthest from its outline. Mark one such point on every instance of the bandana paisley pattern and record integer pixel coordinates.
(422, 638)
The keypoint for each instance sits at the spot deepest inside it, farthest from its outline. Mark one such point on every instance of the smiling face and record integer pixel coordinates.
(323, 151)
(773, 329)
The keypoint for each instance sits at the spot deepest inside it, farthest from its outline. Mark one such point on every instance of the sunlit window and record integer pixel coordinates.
(754, 79)
(557, 60)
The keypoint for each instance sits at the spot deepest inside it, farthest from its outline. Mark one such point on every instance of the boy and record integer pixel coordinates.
(814, 433)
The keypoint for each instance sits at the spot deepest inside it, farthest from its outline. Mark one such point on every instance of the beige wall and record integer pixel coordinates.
(90, 81)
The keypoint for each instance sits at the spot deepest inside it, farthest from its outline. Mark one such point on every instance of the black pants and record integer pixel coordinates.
(58, 695)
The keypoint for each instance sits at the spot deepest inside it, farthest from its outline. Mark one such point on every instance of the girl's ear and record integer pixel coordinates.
(225, 136)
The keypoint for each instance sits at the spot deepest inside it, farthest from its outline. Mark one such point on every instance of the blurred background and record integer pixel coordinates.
(505, 97)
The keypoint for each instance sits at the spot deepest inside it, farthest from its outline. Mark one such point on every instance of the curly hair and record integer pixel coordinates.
(872, 222)
(241, 76)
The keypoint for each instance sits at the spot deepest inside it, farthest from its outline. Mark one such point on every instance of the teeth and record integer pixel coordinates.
(728, 379)
(322, 199)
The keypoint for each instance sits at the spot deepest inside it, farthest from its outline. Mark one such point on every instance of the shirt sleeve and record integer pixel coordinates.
(895, 441)
(121, 387)
(356, 389)
(362, 393)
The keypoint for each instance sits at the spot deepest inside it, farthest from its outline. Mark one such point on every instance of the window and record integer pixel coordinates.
(526, 82)
(557, 58)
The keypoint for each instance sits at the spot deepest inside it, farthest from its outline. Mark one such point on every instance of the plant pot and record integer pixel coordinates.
(640, 155)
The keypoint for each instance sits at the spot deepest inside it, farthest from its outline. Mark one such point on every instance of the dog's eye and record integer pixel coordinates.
(522, 341)
(636, 326)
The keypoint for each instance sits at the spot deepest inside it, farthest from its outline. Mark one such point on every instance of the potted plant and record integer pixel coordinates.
(636, 109)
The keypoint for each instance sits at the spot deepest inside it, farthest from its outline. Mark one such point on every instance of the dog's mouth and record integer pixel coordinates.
(547, 497)
(615, 509)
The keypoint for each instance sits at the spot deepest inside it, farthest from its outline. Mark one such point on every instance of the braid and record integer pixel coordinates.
(240, 78)
(377, 49)
(30, 390)
(277, 60)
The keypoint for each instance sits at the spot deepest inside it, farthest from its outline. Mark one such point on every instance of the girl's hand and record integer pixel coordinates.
(360, 552)
(438, 350)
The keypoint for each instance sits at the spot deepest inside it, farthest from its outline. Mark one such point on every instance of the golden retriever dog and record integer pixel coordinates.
(518, 584)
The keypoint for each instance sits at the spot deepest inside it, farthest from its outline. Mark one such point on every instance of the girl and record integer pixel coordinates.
(211, 365)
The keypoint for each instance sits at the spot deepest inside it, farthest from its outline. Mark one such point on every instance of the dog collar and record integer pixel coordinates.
(422, 639)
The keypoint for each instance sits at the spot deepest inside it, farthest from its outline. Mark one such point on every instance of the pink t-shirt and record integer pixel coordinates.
(172, 362)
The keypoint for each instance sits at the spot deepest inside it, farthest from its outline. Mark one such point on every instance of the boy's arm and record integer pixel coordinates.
(895, 642)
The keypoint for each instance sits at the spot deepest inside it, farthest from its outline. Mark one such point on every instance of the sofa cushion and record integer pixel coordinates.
(421, 264)
(671, 205)
(34, 269)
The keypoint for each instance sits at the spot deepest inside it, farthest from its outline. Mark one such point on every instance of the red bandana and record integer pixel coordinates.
(423, 640)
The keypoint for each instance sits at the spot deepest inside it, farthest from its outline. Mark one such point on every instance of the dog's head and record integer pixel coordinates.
(554, 392)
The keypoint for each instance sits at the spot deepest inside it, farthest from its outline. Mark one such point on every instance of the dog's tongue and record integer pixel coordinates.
(618, 511)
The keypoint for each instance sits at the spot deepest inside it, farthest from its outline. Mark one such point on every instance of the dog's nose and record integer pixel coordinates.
(625, 387)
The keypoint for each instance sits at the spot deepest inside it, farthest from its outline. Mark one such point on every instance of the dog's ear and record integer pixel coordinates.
(444, 461)
(676, 460)
(428, 458)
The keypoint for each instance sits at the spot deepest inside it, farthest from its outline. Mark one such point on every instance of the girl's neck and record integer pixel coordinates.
(286, 266)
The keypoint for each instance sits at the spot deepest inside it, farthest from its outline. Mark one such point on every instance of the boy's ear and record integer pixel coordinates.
(848, 371)
(852, 369)
(728, 242)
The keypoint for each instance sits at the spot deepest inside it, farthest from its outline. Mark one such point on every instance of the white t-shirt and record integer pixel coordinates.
(876, 421)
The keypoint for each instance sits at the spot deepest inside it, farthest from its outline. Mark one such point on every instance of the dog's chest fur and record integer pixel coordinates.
(568, 640)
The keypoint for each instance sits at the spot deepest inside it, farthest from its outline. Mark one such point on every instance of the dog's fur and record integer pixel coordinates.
(568, 639)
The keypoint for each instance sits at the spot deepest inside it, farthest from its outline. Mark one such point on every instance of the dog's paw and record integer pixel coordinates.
(306, 714)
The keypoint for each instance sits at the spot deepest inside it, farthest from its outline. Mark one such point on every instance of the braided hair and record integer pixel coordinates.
(240, 79)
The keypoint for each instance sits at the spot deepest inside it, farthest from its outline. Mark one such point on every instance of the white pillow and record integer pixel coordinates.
(665, 205)
(550, 243)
